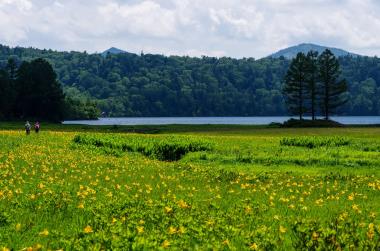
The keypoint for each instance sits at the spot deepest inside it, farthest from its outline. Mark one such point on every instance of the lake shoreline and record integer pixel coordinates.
(262, 121)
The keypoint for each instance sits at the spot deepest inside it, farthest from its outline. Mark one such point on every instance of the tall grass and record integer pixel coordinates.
(169, 148)
(315, 141)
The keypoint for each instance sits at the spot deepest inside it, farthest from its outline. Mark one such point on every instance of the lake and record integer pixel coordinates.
(351, 120)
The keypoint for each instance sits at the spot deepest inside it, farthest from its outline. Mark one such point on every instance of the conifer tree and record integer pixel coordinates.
(39, 93)
(12, 68)
(332, 88)
(312, 81)
(295, 88)
(5, 105)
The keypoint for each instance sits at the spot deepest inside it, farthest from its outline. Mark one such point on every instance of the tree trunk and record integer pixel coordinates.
(327, 97)
(313, 104)
(300, 101)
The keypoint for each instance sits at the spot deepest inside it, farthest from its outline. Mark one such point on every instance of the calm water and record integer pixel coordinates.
(215, 120)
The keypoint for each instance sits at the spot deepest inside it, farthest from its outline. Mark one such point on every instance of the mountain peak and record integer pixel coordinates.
(292, 51)
(113, 50)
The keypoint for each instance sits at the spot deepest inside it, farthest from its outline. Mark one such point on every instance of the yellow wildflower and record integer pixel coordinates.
(248, 209)
(165, 244)
(88, 230)
(183, 204)
(140, 229)
(319, 202)
(371, 231)
(355, 207)
(315, 236)
(44, 233)
(37, 247)
(254, 246)
(168, 210)
(282, 229)
(172, 230)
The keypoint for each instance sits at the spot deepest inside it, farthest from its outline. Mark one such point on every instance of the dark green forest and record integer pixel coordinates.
(155, 85)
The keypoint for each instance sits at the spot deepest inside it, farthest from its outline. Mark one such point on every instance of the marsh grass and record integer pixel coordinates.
(242, 190)
(169, 148)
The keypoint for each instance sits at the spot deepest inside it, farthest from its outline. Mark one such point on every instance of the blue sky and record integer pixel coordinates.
(235, 28)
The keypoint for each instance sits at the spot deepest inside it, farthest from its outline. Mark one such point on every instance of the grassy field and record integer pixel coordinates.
(189, 188)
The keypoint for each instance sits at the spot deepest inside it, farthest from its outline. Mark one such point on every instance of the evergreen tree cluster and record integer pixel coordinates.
(154, 85)
(31, 90)
(313, 85)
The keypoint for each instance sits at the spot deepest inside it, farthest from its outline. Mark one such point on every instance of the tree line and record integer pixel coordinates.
(313, 85)
(156, 85)
(31, 90)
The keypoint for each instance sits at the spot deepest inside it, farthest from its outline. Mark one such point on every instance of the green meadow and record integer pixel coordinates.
(189, 188)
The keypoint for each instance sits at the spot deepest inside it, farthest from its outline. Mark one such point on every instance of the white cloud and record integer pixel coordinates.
(240, 28)
(22, 5)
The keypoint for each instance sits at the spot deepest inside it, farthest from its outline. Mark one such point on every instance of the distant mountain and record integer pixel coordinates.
(291, 52)
(113, 50)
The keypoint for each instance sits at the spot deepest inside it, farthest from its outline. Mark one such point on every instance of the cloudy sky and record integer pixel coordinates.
(235, 28)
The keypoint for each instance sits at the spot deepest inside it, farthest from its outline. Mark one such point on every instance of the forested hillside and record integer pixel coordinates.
(291, 52)
(155, 85)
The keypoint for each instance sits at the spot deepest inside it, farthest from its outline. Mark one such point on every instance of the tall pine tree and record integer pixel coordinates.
(312, 81)
(332, 88)
(295, 88)
(40, 94)
(5, 89)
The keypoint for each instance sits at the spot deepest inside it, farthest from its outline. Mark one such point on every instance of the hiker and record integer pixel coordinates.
(27, 127)
(37, 127)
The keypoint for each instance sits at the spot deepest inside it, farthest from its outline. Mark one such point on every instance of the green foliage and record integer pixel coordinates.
(79, 105)
(39, 94)
(5, 94)
(312, 142)
(333, 89)
(313, 80)
(32, 91)
(296, 87)
(161, 148)
(155, 85)
(340, 234)
(60, 195)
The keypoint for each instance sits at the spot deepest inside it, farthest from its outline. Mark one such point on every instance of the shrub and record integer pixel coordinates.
(313, 142)
(170, 148)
